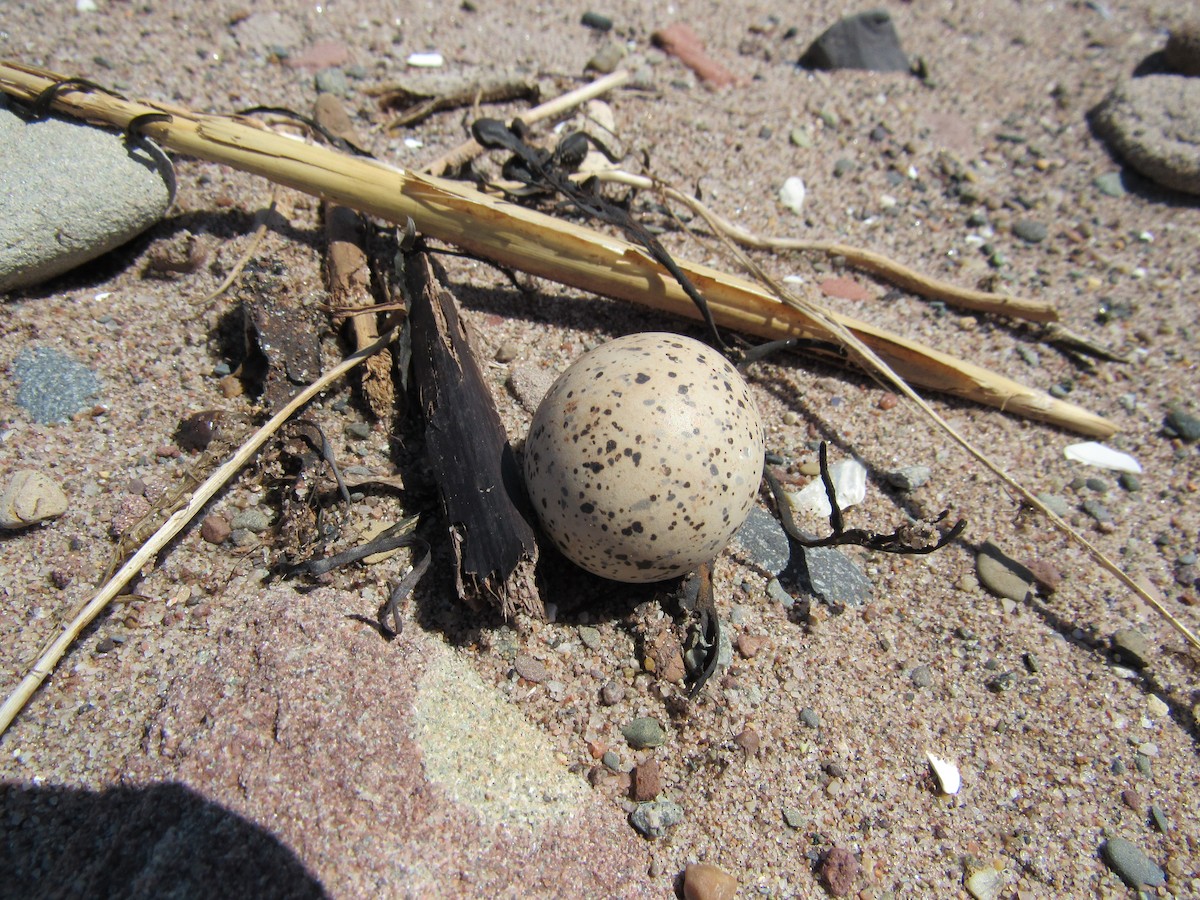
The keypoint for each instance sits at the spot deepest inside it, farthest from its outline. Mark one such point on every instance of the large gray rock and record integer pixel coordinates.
(69, 193)
(867, 40)
(1153, 123)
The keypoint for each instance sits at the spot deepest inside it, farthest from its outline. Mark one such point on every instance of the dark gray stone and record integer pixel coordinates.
(1133, 866)
(1184, 424)
(764, 541)
(833, 577)
(867, 40)
(1153, 123)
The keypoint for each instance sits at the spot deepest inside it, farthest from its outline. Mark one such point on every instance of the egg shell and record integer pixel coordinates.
(644, 457)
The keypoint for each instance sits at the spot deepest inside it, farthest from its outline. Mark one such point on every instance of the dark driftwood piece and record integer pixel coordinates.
(495, 547)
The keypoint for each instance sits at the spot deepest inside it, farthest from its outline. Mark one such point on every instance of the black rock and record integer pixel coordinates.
(867, 40)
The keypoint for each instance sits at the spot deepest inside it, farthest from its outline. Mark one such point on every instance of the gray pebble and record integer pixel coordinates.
(612, 693)
(53, 386)
(1098, 511)
(1099, 485)
(1184, 424)
(358, 430)
(921, 677)
(1056, 504)
(590, 637)
(801, 137)
(1029, 231)
(1028, 355)
(809, 717)
(843, 167)
(1032, 663)
(1110, 184)
(71, 193)
(655, 818)
(764, 541)
(835, 577)
(1003, 682)
(598, 21)
(332, 81)
(611, 760)
(793, 817)
(1001, 575)
(253, 520)
(1159, 818)
(1132, 648)
(779, 594)
(909, 478)
(1143, 764)
(30, 497)
(866, 40)
(644, 732)
(607, 58)
(1133, 866)
(1129, 482)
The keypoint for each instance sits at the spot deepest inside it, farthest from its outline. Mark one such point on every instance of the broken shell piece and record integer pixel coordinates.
(792, 194)
(849, 483)
(1096, 454)
(946, 774)
(30, 497)
(432, 60)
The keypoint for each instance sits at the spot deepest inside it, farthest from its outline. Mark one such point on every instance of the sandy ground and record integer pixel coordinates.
(1069, 756)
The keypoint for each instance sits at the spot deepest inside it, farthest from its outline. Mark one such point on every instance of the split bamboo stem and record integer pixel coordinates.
(532, 242)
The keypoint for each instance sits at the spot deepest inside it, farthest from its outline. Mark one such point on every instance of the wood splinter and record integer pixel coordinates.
(495, 547)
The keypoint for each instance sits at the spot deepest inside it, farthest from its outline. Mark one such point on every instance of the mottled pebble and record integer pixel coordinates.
(531, 669)
(702, 881)
(1098, 511)
(1133, 866)
(779, 594)
(839, 871)
(909, 478)
(1183, 423)
(30, 497)
(1155, 706)
(644, 732)
(647, 782)
(835, 577)
(590, 637)
(332, 81)
(1001, 575)
(793, 818)
(611, 760)
(359, 431)
(507, 352)
(655, 818)
(921, 677)
(1132, 648)
(612, 693)
(1132, 799)
(1144, 765)
(195, 432)
(53, 386)
(749, 645)
(809, 717)
(1030, 231)
(253, 520)
(1032, 663)
(1002, 683)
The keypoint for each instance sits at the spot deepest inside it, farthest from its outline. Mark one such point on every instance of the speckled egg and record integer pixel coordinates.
(644, 457)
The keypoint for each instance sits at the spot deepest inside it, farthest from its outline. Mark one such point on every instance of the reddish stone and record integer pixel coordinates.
(647, 783)
(679, 40)
(844, 289)
(749, 645)
(214, 529)
(702, 881)
(839, 871)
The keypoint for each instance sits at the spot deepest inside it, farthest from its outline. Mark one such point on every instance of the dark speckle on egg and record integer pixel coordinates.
(605, 510)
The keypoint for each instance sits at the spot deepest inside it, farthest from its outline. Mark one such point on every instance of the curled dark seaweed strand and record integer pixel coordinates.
(133, 130)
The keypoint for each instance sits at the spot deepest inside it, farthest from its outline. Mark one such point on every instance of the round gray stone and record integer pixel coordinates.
(655, 818)
(1133, 866)
(644, 732)
(1153, 123)
(71, 193)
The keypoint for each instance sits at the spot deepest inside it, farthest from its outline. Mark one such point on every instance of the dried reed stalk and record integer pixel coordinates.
(534, 243)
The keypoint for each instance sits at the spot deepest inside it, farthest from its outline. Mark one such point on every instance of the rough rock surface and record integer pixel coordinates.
(1153, 123)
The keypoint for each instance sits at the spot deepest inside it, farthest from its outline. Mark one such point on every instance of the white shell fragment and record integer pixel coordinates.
(644, 457)
(432, 60)
(30, 497)
(792, 194)
(850, 484)
(1097, 454)
(946, 774)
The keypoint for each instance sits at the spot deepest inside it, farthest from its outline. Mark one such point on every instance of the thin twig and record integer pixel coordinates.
(260, 231)
(46, 663)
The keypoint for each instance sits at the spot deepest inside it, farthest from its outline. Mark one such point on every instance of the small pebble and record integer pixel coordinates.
(590, 637)
(809, 717)
(1131, 864)
(597, 21)
(1159, 818)
(531, 669)
(647, 783)
(801, 137)
(359, 431)
(1184, 424)
(1110, 184)
(1001, 575)
(611, 760)
(607, 59)
(702, 881)
(215, 529)
(1002, 683)
(644, 732)
(1030, 231)
(984, 880)
(1098, 511)
(793, 818)
(909, 478)
(196, 432)
(921, 677)
(1132, 648)
(612, 693)
(839, 871)
(1144, 766)
(30, 497)
(253, 520)
(1129, 482)
(1155, 706)
(655, 818)
(507, 352)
